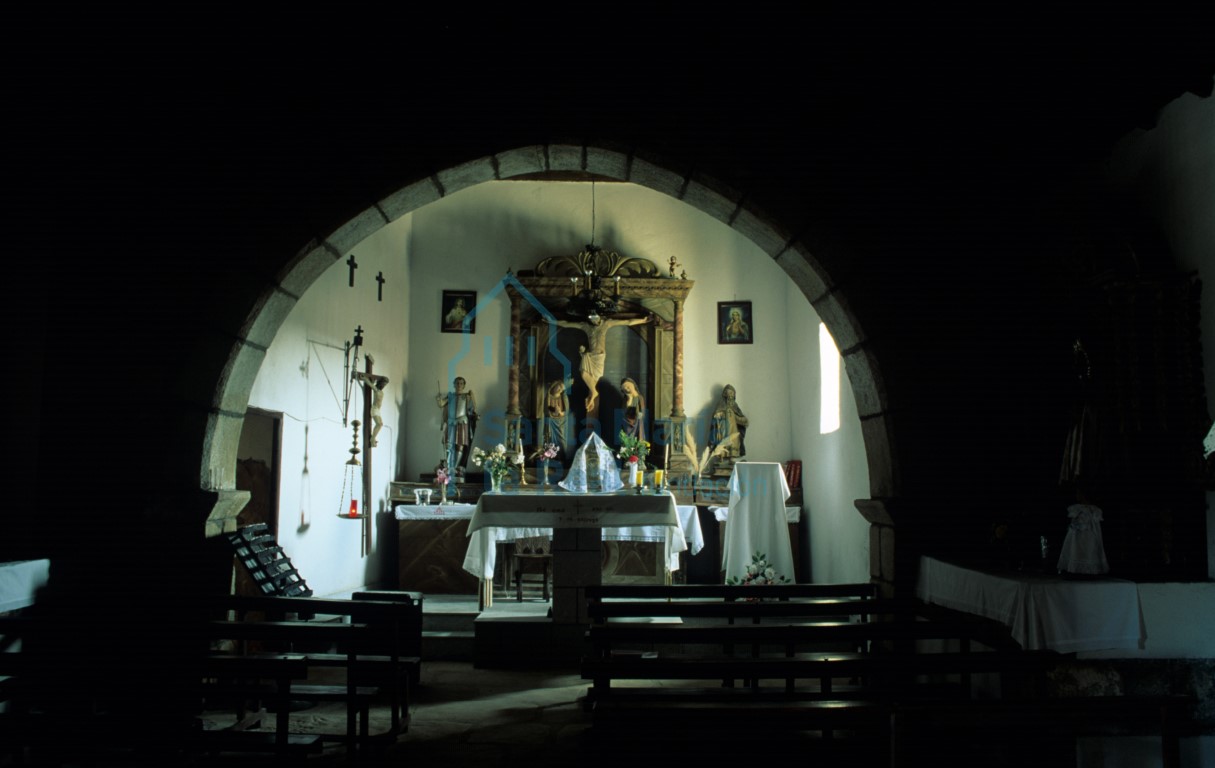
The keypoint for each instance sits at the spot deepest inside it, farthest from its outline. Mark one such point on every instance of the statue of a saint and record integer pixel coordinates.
(728, 419)
(556, 406)
(594, 354)
(634, 409)
(459, 423)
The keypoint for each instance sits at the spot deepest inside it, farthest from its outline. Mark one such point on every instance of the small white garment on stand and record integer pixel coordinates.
(1083, 550)
(757, 521)
(576, 479)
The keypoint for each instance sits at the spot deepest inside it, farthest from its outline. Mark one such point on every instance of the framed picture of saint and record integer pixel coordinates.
(456, 306)
(734, 324)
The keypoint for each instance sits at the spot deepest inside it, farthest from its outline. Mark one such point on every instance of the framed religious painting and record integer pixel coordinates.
(734, 324)
(456, 306)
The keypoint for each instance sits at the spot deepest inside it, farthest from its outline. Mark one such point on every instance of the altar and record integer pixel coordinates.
(436, 539)
(577, 521)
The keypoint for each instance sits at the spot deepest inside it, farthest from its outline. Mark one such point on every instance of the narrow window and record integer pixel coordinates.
(829, 371)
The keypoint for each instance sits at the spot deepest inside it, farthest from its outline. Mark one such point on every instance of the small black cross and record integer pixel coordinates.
(353, 266)
(379, 278)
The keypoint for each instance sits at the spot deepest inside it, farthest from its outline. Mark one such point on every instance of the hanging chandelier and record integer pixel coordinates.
(595, 275)
(590, 301)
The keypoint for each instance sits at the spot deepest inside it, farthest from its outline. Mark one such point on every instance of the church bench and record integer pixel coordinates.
(352, 638)
(269, 680)
(784, 602)
(390, 650)
(817, 657)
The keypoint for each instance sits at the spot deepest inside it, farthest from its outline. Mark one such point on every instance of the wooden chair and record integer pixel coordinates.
(533, 551)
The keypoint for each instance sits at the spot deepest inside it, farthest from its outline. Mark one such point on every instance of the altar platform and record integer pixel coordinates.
(504, 635)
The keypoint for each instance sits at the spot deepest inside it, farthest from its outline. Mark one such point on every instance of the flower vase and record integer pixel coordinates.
(629, 473)
(495, 482)
(543, 467)
(442, 493)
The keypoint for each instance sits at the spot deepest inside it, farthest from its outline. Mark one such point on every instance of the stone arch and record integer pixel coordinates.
(703, 193)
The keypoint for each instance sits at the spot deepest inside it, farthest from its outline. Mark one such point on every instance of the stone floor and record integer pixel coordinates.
(465, 716)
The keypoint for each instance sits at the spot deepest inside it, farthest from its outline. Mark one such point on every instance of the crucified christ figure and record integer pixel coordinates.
(594, 353)
(375, 389)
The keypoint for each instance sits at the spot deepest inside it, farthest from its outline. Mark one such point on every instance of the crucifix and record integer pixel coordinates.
(379, 278)
(353, 266)
(373, 399)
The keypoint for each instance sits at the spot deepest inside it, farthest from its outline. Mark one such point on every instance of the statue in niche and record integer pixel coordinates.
(594, 354)
(727, 431)
(634, 409)
(459, 423)
(556, 406)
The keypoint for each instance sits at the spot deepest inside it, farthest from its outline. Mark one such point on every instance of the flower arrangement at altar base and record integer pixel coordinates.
(496, 462)
(759, 572)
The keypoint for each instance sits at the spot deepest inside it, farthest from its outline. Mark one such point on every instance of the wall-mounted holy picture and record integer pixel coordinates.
(734, 322)
(456, 307)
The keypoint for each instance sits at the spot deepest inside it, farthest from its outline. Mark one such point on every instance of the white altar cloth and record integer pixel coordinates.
(1064, 615)
(623, 516)
(20, 580)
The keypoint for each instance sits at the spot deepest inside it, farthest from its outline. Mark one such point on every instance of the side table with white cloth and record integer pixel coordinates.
(20, 581)
(793, 515)
(757, 521)
(1041, 611)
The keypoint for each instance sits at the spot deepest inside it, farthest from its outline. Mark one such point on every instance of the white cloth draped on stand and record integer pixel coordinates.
(1083, 550)
(757, 520)
(577, 481)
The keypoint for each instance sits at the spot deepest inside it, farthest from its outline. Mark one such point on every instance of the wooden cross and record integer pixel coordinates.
(353, 266)
(379, 278)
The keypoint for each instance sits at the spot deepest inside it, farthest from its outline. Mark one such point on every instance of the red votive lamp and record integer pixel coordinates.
(354, 507)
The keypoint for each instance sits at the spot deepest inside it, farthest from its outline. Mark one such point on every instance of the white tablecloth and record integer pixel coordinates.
(481, 556)
(20, 580)
(1063, 615)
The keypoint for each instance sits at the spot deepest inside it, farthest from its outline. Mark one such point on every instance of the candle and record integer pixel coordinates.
(658, 475)
(354, 507)
(666, 456)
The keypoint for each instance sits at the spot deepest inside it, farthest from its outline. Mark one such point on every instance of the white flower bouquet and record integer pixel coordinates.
(759, 572)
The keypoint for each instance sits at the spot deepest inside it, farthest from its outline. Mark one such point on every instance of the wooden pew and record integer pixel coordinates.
(818, 658)
(362, 637)
(393, 653)
(269, 680)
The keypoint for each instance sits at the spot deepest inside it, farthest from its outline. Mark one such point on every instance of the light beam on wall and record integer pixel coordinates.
(829, 374)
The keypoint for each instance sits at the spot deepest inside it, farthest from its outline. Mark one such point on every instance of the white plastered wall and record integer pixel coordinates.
(467, 241)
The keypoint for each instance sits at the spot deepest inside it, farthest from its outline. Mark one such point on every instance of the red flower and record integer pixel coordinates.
(632, 459)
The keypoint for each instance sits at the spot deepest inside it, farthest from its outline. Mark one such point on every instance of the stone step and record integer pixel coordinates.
(447, 645)
(449, 621)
